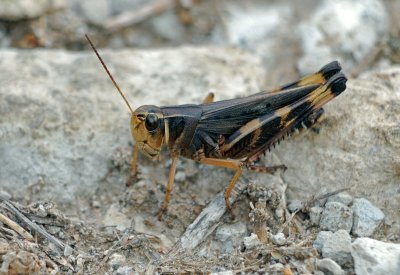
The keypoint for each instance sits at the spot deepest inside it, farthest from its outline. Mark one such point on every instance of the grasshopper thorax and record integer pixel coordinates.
(147, 127)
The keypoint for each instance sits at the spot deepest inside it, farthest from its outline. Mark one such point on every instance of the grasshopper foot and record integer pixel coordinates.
(161, 213)
(131, 178)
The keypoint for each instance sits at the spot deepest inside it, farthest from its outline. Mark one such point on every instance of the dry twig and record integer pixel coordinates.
(16, 227)
(132, 17)
(206, 221)
(32, 226)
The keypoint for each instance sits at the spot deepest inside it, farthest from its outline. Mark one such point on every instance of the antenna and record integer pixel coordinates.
(109, 74)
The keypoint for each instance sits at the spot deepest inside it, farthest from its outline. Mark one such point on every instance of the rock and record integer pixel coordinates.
(366, 217)
(95, 11)
(329, 267)
(5, 195)
(61, 118)
(343, 198)
(278, 239)
(321, 238)
(68, 251)
(124, 270)
(167, 21)
(251, 241)
(315, 214)
(114, 217)
(346, 151)
(227, 272)
(295, 205)
(180, 176)
(346, 29)
(336, 216)
(116, 260)
(230, 235)
(263, 28)
(27, 9)
(338, 248)
(372, 257)
(278, 267)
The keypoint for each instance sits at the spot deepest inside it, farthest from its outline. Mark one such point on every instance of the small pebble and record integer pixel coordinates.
(295, 205)
(276, 267)
(279, 239)
(5, 195)
(315, 214)
(322, 237)
(366, 218)
(124, 270)
(116, 260)
(328, 266)
(68, 251)
(230, 235)
(180, 176)
(338, 248)
(336, 216)
(251, 241)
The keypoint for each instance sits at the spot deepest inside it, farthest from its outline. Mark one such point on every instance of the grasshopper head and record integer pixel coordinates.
(147, 122)
(147, 129)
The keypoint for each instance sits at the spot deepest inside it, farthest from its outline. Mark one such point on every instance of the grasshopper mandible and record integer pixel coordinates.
(230, 133)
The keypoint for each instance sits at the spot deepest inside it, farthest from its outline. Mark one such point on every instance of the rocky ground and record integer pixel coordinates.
(65, 142)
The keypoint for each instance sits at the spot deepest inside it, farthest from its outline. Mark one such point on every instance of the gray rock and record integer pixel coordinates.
(26, 9)
(347, 152)
(226, 272)
(336, 216)
(315, 214)
(278, 239)
(61, 118)
(68, 251)
(96, 11)
(338, 248)
(278, 267)
(180, 176)
(366, 217)
(230, 235)
(343, 198)
(372, 257)
(5, 195)
(346, 28)
(295, 205)
(124, 270)
(329, 267)
(114, 217)
(251, 241)
(321, 238)
(116, 260)
(264, 28)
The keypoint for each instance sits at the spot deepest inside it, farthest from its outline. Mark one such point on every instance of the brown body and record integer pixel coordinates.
(232, 133)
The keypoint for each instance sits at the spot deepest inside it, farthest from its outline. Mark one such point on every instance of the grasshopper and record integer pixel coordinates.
(231, 133)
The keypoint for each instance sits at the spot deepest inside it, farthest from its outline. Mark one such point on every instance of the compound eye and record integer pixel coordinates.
(151, 122)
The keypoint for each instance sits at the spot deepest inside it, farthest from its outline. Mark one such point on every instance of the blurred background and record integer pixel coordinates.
(291, 37)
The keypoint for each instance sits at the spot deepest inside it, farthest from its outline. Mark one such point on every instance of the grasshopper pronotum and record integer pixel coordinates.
(230, 133)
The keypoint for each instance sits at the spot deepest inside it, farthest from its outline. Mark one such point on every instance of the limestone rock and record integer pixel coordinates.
(336, 216)
(26, 9)
(366, 218)
(61, 118)
(375, 257)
